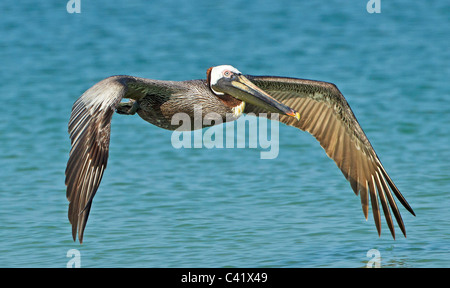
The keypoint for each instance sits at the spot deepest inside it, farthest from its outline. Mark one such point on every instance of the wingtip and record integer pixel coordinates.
(403, 231)
(365, 209)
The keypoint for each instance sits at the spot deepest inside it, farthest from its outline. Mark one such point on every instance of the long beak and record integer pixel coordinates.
(243, 89)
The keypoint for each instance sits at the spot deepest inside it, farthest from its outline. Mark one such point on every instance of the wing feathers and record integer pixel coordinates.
(89, 129)
(384, 204)
(325, 114)
(374, 202)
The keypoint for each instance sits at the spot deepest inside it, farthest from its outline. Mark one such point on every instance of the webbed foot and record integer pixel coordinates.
(127, 108)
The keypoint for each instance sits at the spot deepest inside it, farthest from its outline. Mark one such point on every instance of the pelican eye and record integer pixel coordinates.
(227, 73)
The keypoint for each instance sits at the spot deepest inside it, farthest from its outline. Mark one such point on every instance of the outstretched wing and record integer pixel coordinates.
(89, 129)
(326, 115)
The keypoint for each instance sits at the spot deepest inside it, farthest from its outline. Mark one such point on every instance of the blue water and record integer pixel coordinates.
(162, 207)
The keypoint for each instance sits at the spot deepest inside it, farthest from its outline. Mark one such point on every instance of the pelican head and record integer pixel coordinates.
(225, 79)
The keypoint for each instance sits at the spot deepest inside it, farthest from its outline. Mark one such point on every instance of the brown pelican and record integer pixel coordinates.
(313, 106)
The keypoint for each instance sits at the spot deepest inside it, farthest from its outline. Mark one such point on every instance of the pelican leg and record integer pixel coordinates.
(128, 108)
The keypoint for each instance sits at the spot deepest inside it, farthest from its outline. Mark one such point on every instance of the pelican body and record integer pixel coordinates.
(313, 106)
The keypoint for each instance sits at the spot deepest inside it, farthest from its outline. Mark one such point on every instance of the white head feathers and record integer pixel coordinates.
(219, 72)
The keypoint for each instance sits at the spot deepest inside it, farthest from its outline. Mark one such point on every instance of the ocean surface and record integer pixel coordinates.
(158, 206)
